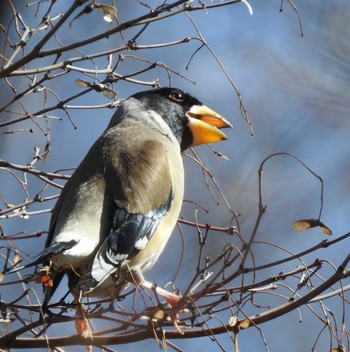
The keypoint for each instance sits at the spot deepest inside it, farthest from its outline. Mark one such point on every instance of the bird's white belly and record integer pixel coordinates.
(77, 255)
(87, 236)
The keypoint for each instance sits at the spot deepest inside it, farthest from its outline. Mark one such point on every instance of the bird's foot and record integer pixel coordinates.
(82, 325)
(173, 301)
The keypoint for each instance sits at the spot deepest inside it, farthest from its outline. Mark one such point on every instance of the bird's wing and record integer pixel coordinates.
(82, 194)
(137, 177)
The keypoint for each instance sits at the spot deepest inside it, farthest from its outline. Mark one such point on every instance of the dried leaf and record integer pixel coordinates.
(100, 88)
(108, 11)
(44, 277)
(158, 314)
(326, 230)
(108, 18)
(82, 83)
(16, 258)
(82, 327)
(305, 224)
(232, 321)
(1, 277)
(245, 323)
(109, 93)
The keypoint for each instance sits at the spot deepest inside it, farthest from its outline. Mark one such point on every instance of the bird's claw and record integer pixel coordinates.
(172, 300)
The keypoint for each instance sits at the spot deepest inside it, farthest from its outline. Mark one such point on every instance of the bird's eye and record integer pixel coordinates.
(177, 96)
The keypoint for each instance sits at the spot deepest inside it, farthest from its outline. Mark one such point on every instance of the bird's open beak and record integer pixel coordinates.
(204, 124)
(208, 115)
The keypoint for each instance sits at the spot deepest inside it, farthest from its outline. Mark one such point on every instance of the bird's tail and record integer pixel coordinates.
(20, 268)
(49, 290)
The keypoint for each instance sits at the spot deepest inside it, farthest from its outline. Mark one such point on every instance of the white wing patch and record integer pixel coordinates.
(141, 243)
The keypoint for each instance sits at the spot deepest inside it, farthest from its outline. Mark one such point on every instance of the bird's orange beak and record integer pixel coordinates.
(204, 124)
(203, 113)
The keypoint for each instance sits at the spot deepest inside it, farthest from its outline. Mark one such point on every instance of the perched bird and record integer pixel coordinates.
(119, 208)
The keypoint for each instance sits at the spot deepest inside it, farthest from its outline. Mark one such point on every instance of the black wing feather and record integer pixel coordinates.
(129, 234)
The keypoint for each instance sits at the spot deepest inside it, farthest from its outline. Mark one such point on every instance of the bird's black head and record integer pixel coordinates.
(191, 122)
(171, 104)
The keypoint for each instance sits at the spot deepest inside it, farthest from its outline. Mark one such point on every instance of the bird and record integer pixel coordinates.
(117, 211)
